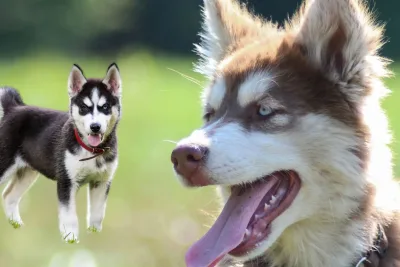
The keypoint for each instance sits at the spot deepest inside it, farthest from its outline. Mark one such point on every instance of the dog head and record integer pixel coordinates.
(287, 130)
(95, 105)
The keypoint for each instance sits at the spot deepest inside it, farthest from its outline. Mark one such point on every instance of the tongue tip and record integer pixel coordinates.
(94, 140)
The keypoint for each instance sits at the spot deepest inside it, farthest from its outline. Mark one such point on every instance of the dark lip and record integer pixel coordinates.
(101, 134)
(284, 204)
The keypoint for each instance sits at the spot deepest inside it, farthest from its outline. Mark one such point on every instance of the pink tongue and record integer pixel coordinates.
(94, 139)
(229, 229)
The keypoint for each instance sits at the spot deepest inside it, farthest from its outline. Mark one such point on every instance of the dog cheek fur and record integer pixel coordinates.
(79, 121)
(334, 176)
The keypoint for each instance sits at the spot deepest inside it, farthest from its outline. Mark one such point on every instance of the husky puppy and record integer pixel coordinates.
(73, 148)
(295, 139)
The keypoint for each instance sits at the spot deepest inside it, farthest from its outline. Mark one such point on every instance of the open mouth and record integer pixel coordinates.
(246, 218)
(95, 139)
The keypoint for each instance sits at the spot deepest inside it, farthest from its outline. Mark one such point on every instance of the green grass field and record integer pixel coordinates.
(150, 219)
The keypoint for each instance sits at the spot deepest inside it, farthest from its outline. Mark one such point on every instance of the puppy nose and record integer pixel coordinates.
(95, 127)
(187, 159)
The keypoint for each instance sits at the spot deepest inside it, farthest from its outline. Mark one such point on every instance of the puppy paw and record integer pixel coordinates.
(70, 238)
(94, 229)
(15, 223)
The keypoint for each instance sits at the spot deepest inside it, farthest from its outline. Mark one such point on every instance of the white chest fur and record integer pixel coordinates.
(96, 169)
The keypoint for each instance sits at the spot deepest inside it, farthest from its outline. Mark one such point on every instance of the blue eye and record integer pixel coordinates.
(264, 111)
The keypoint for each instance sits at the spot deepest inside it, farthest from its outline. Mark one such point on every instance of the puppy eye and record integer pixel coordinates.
(207, 116)
(106, 106)
(84, 108)
(264, 111)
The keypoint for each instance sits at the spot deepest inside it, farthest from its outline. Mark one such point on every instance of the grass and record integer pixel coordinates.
(150, 219)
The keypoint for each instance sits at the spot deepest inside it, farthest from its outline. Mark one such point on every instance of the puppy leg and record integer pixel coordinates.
(68, 219)
(20, 182)
(97, 198)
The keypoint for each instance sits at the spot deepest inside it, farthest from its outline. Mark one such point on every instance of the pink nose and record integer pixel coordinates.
(187, 160)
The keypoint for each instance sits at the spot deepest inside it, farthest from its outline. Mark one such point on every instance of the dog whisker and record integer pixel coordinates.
(170, 141)
(187, 77)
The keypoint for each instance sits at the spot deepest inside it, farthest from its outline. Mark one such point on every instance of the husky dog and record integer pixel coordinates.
(295, 139)
(73, 148)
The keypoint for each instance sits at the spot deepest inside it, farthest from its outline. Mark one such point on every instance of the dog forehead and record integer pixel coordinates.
(244, 75)
(241, 90)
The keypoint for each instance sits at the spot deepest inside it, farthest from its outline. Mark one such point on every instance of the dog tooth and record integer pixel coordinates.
(273, 199)
(266, 206)
(258, 216)
(247, 233)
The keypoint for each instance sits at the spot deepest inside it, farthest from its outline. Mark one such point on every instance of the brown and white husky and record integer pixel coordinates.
(295, 139)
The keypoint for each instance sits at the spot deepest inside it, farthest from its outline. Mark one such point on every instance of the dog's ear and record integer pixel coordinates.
(225, 23)
(340, 38)
(75, 81)
(113, 80)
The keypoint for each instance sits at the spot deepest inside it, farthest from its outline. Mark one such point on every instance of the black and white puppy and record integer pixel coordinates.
(73, 148)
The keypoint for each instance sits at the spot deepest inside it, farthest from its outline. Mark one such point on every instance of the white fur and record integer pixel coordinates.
(280, 120)
(15, 188)
(254, 87)
(220, 33)
(88, 171)
(96, 201)
(214, 95)
(68, 219)
(215, 37)
(102, 101)
(87, 102)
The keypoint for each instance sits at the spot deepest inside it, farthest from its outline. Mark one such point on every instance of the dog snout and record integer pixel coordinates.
(187, 160)
(95, 127)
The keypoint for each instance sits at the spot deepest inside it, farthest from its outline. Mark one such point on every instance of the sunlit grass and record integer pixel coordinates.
(150, 219)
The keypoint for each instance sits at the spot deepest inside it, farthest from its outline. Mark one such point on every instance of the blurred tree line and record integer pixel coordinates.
(106, 26)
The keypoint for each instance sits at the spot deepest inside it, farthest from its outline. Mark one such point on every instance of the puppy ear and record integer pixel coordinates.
(75, 81)
(113, 80)
(225, 24)
(340, 38)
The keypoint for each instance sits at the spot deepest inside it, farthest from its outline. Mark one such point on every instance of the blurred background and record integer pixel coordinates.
(151, 220)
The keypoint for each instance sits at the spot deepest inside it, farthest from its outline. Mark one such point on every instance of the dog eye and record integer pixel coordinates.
(84, 108)
(207, 116)
(264, 111)
(105, 107)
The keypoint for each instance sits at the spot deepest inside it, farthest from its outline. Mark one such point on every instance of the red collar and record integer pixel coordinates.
(97, 151)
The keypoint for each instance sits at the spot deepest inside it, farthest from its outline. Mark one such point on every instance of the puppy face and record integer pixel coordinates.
(95, 104)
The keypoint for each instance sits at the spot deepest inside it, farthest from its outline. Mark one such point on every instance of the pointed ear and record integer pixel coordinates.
(75, 81)
(225, 23)
(113, 80)
(340, 38)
